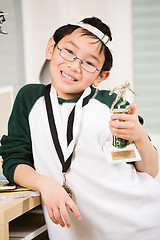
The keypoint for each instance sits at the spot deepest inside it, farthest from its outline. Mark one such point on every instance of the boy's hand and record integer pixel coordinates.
(56, 200)
(127, 126)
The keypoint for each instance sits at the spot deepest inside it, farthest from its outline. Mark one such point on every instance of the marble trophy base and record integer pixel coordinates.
(117, 155)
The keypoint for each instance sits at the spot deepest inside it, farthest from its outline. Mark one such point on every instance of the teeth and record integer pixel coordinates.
(66, 76)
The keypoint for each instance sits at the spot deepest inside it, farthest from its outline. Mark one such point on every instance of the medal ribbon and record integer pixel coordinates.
(64, 151)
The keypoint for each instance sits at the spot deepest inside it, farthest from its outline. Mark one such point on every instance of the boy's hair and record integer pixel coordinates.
(97, 23)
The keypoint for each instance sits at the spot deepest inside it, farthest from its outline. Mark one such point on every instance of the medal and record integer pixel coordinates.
(68, 190)
(66, 187)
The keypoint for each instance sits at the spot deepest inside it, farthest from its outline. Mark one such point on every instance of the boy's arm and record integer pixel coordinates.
(53, 194)
(18, 163)
(149, 155)
(130, 128)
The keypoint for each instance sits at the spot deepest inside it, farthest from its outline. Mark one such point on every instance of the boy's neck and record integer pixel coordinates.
(75, 99)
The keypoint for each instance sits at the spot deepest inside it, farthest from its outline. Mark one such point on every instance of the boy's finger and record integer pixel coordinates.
(120, 117)
(58, 217)
(65, 216)
(120, 125)
(73, 207)
(133, 108)
(51, 215)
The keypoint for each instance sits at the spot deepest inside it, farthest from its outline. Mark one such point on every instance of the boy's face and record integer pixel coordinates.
(69, 78)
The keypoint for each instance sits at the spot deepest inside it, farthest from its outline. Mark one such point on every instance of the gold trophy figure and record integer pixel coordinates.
(121, 149)
(121, 94)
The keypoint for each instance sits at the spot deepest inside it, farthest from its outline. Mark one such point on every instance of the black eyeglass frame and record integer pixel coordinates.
(74, 58)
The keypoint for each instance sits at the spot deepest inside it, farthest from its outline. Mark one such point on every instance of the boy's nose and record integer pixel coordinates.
(76, 65)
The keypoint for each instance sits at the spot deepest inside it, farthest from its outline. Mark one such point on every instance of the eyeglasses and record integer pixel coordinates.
(71, 57)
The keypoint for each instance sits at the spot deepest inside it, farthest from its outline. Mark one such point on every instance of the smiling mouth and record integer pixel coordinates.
(68, 77)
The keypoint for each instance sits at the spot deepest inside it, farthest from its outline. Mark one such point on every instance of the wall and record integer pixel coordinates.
(146, 55)
(11, 46)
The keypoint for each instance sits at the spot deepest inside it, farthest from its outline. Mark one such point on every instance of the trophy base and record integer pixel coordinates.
(117, 155)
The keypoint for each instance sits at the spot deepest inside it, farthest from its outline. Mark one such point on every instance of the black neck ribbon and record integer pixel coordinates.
(65, 164)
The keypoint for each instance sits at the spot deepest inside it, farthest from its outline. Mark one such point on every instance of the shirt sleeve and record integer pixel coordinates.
(16, 147)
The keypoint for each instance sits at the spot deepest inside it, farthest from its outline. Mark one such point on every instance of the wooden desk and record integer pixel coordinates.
(13, 208)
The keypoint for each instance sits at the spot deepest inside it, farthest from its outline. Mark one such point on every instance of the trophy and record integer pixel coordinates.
(121, 150)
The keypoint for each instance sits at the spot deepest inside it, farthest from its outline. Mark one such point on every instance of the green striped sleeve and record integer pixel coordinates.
(16, 147)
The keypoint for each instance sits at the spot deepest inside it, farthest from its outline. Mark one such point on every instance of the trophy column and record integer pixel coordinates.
(119, 142)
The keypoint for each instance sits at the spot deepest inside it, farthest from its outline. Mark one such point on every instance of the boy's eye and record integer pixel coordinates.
(90, 64)
(69, 51)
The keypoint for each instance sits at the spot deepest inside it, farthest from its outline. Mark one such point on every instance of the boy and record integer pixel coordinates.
(61, 129)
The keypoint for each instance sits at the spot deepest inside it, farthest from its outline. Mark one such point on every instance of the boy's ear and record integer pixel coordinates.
(49, 48)
(101, 77)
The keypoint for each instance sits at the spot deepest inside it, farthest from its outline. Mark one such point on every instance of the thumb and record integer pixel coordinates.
(133, 108)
